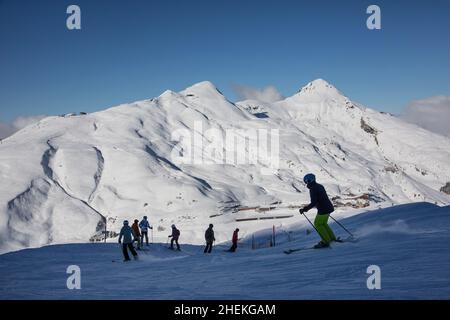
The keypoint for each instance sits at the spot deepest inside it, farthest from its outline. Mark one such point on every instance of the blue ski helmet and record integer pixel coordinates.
(125, 222)
(309, 178)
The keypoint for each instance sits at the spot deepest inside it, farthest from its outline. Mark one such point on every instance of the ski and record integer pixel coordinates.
(289, 251)
(181, 251)
(348, 239)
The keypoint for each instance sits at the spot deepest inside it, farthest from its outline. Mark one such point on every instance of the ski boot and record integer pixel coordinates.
(321, 244)
(338, 239)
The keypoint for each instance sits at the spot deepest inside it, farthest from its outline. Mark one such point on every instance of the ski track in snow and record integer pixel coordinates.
(45, 162)
(98, 173)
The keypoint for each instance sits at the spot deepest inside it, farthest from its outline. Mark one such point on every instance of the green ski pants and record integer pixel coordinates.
(325, 232)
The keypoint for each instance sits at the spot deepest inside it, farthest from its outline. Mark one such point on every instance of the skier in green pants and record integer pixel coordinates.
(320, 200)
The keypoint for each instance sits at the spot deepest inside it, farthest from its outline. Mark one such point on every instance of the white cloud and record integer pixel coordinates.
(267, 94)
(22, 122)
(7, 129)
(431, 113)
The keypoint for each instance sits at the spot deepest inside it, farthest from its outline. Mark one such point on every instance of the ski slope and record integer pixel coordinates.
(66, 177)
(410, 243)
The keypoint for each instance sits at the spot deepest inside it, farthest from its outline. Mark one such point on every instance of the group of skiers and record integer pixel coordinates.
(319, 199)
(210, 239)
(139, 230)
(136, 233)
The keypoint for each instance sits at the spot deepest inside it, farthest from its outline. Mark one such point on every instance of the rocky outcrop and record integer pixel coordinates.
(370, 130)
(367, 128)
(446, 189)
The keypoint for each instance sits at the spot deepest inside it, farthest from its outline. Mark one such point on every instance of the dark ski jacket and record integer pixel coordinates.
(319, 199)
(209, 235)
(126, 232)
(175, 233)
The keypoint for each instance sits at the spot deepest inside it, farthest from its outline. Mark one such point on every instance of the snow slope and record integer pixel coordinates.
(65, 177)
(410, 244)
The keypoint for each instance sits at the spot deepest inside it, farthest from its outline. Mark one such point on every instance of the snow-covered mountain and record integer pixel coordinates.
(65, 176)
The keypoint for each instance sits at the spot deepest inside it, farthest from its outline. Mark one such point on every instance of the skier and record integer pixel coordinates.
(136, 234)
(126, 232)
(144, 225)
(175, 235)
(320, 200)
(234, 240)
(209, 237)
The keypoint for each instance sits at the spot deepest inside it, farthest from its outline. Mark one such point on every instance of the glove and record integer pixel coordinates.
(151, 228)
(120, 241)
(302, 211)
(169, 236)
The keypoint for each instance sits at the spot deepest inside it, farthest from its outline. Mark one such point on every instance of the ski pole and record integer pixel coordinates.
(311, 224)
(341, 226)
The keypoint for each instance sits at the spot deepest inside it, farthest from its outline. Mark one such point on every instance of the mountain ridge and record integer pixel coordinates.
(124, 162)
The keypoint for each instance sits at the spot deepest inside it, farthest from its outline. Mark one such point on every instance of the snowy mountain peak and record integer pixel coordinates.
(319, 87)
(204, 88)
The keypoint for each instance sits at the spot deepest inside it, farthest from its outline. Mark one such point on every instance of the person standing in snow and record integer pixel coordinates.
(126, 233)
(320, 200)
(209, 237)
(234, 240)
(144, 225)
(175, 235)
(136, 233)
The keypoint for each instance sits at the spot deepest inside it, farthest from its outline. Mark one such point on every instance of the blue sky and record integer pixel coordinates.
(133, 50)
